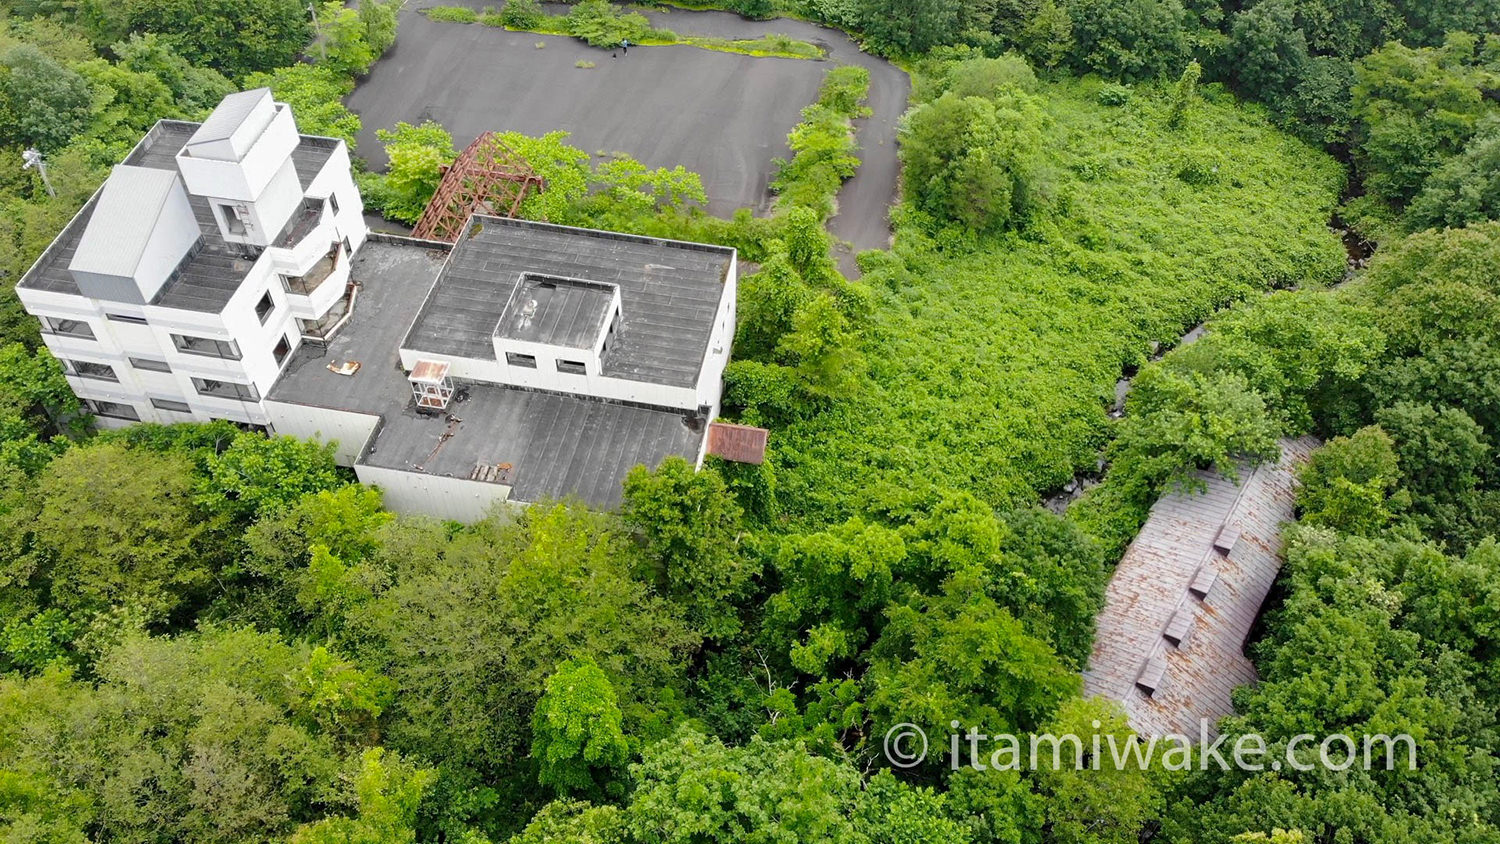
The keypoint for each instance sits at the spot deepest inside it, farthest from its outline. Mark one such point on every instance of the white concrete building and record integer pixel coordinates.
(224, 271)
(209, 256)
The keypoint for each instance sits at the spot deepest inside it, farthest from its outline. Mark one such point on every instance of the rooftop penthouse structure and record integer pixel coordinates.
(523, 362)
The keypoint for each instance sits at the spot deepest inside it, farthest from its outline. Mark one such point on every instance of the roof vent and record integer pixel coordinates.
(1228, 535)
(1178, 627)
(1153, 671)
(1203, 580)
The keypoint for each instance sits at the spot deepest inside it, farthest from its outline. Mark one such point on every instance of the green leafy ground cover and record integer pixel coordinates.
(992, 361)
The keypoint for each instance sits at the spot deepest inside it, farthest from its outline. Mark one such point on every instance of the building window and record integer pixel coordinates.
(283, 348)
(571, 366)
(226, 389)
(98, 371)
(227, 349)
(348, 250)
(169, 404)
(134, 320)
(232, 220)
(70, 327)
(112, 409)
(514, 359)
(152, 365)
(264, 307)
(333, 202)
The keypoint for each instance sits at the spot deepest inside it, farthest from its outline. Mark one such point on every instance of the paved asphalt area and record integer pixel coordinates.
(721, 115)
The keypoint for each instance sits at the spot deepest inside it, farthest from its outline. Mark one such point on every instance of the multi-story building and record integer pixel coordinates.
(224, 271)
(183, 287)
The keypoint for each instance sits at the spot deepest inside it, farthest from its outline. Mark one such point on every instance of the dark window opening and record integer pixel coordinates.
(226, 389)
(514, 359)
(152, 365)
(70, 327)
(333, 202)
(571, 366)
(98, 371)
(169, 404)
(111, 409)
(283, 348)
(134, 320)
(264, 307)
(227, 349)
(232, 220)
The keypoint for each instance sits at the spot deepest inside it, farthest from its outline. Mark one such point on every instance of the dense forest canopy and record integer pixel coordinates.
(208, 634)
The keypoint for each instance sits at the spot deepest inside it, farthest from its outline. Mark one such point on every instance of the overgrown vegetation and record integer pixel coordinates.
(208, 634)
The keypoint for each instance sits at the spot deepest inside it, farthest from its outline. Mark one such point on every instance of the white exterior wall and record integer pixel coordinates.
(431, 495)
(720, 344)
(350, 430)
(115, 342)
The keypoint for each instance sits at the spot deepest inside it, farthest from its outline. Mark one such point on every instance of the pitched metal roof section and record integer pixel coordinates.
(208, 279)
(669, 290)
(1151, 598)
(739, 443)
(228, 116)
(123, 219)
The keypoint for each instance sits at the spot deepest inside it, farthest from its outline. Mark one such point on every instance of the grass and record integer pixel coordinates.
(767, 46)
(584, 64)
(993, 362)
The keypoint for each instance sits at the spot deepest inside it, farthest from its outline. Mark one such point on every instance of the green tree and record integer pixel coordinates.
(316, 96)
(959, 656)
(972, 162)
(909, 27)
(1349, 484)
(388, 790)
(576, 738)
(234, 37)
(258, 475)
(417, 155)
(1441, 453)
(195, 89)
(471, 624)
(1464, 189)
(42, 103)
(1100, 802)
(114, 526)
(342, 35)
(690, 525)
(1184, 94)
(1132, 41)
(691, 789)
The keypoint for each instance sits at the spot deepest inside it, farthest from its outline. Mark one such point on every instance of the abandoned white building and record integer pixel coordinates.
(1169, 643)
(225, 271)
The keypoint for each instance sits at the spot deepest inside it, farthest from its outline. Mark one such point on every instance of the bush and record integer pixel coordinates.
(1114, 95)
(522, 14)
(601, 24)
(451, 14)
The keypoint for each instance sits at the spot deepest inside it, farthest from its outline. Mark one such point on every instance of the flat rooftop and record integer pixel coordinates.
(557, 311)
(557, 445)
(669, 294)
(209, 278)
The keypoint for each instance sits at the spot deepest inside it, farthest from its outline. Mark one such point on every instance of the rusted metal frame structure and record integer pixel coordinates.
(488, 177)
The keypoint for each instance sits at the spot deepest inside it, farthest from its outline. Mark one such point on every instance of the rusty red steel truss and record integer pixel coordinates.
(487, 178)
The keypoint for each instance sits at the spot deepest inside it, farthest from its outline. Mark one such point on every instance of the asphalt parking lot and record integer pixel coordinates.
(723, 116)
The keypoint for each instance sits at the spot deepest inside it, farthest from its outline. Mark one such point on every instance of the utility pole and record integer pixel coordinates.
(317, 29)
(33, 158)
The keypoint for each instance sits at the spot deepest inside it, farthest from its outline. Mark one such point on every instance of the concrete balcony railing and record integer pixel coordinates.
(311, 295)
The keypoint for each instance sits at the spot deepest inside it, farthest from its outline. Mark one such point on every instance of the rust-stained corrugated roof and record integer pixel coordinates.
(739, 443)
(429, 372)
(1179, 552)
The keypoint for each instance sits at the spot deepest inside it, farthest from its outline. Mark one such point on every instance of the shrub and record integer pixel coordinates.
(522, 14)
(1114, 94)
(451, 14)
(601, 24)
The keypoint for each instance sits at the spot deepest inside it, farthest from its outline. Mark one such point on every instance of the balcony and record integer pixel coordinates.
(303, 221)
(305, 284)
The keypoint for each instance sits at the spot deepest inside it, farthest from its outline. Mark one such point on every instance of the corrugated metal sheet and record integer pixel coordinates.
(739, 443)
(1153, 598)
(228, 115)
